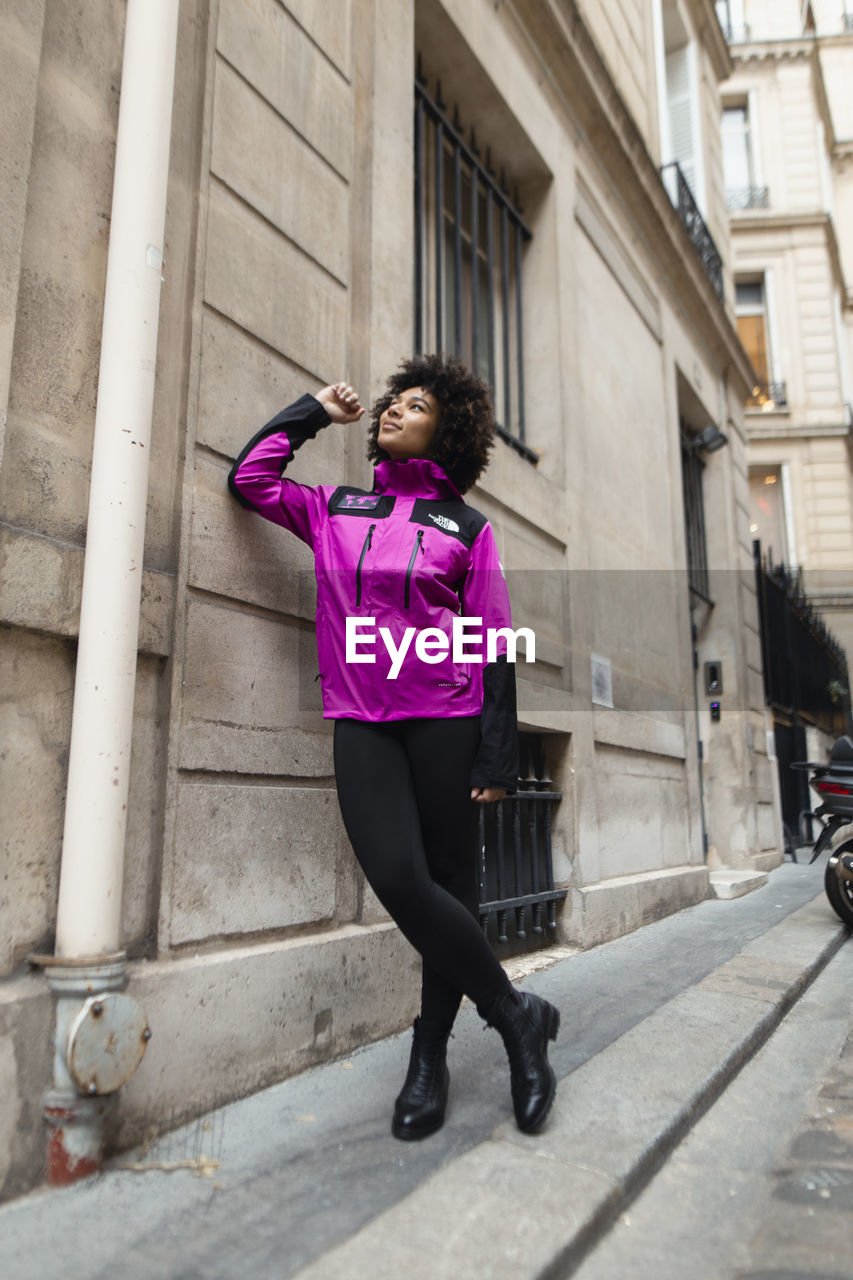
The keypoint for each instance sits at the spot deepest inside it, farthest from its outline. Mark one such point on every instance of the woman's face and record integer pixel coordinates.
(407, 426)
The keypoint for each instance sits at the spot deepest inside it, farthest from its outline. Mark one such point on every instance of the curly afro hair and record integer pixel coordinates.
(466, 425)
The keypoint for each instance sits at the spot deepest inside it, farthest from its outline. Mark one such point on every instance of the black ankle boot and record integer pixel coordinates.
(420, 1106)
(526, 1023)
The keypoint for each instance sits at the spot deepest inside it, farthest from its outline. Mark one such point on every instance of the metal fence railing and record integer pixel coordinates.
(752, 197)
(805, 668)
(517, 893)
(736, 33)
(805, 681)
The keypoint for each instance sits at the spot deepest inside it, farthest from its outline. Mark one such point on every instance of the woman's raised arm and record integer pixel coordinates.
(257, 481)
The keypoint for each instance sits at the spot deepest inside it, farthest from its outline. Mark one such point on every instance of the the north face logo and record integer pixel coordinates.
(445, 523)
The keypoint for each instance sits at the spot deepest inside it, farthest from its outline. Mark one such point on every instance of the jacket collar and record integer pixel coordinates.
(413, 478)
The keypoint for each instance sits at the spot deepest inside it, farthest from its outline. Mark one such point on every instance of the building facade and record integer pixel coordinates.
(788, 134)
(537, 184)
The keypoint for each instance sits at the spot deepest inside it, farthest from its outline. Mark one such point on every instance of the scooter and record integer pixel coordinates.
(834, 784)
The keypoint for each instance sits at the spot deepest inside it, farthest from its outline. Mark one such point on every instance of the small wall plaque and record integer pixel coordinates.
(602, 680)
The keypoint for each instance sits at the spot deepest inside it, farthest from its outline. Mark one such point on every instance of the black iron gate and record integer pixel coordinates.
(805, 680)
(790, 746)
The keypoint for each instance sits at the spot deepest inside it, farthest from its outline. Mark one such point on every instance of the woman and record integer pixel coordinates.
(425, 730)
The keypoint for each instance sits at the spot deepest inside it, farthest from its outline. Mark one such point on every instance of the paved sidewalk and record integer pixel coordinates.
(306, 1180)
(761, 1186)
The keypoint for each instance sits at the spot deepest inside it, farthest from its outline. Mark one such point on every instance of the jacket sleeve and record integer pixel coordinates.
(484, 595)
(256, 479)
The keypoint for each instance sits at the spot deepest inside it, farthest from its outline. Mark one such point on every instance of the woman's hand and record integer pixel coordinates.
(341, 403)
(485, 795)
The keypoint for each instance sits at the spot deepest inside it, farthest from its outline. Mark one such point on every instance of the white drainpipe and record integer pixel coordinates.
(88, 969)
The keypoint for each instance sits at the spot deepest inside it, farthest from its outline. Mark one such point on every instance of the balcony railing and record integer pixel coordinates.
(736, 33)
(768, 396)
(681, 196)
(747, 198)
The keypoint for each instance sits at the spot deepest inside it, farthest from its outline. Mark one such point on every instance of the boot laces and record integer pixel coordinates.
(522, 1036)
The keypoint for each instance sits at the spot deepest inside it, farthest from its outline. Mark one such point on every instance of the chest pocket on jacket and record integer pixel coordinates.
(418, 546)
(435, 571)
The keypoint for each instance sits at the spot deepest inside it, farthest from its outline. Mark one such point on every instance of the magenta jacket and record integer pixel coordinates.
(410, 553)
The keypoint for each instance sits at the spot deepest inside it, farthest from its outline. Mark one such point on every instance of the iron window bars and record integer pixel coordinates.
(516, 865)
(469, 240)
(692, 467)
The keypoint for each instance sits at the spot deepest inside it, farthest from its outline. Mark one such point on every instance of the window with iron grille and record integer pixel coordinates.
(469, 252)
(692, 468)
(518, 901)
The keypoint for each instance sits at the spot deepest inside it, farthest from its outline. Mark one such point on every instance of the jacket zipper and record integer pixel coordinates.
(418, 540)
(367, 541)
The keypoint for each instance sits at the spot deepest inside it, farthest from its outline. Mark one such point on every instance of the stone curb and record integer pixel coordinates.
(537, 1205)
(728, 884)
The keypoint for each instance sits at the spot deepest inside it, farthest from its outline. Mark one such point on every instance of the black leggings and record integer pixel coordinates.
(404, 792)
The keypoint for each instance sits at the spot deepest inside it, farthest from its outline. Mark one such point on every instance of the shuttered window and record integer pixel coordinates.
(680, 107)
